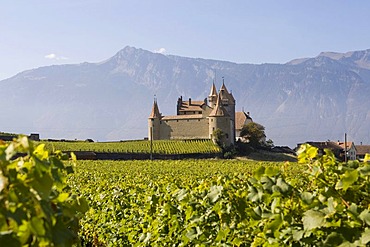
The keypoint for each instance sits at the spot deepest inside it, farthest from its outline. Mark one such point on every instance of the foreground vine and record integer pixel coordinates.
(36, 205)
(327, 204)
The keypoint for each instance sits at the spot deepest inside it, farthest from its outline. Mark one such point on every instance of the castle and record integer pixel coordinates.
(199, 119)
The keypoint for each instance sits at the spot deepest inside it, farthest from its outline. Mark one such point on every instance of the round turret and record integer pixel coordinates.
(154, 123)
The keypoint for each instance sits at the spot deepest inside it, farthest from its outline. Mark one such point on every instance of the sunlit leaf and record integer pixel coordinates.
(313, 219)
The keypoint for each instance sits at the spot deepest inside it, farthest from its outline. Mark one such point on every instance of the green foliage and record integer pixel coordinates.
(218, 136)
(36, 206)
(318, 202)
(336, 200)
(159, 146)
(253, 133)
(270, 143)
(178, 203)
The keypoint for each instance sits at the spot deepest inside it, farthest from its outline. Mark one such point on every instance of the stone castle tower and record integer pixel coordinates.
(196, 119)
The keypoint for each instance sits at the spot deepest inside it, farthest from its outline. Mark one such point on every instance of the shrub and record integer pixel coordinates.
(36, 207)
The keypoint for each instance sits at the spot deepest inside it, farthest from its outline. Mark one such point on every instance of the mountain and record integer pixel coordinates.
(310, 99)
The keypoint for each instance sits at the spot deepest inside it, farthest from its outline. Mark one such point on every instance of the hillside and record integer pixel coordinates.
(316, 98)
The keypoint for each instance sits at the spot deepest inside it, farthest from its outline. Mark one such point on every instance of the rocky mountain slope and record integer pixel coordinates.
(313, 99)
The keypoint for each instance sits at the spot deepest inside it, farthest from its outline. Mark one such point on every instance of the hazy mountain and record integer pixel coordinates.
(306, 99)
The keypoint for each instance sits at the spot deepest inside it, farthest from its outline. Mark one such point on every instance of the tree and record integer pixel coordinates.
(218, 136)
(253, 133)
(270, 143)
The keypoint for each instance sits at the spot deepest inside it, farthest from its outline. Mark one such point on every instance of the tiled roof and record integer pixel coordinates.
(328, 144)
(226, 95)
(194, 106)
(219, 110)
(213, 90)
(363, 149)
(349, 144)
(194, 116)
(240, 118)
(155, 111)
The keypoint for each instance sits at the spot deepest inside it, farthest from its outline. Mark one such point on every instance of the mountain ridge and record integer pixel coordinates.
(314, 99)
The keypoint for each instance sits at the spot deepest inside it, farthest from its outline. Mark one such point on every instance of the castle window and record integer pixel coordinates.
(177, 120)
(227, 136)
(200, 112)
(211, 119)
(198, 120)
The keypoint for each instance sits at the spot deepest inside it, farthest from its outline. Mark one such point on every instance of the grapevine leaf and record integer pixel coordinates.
(237, 241)
(62, 197)
(275, 224)
(259, 172)
(333, 239)
(367, 158)
(191, 234)
(365, 170)
(307, 197)
(306, 153)
(215, 193)
(365, 236)
(297, 235)
(347, 179)
(283, 186)
(24, 232)
(365, 216)
(222, 234)
(40, 151)
(181, 194)
(313, 219)
(271, 171)
(312, 152)
(37, 226)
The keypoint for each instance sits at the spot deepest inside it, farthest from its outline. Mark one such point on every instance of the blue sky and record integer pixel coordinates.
(35, 33)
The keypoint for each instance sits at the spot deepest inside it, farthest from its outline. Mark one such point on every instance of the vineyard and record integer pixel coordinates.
(316, 202)
(166, 202)
(158, 146)
(49, 199)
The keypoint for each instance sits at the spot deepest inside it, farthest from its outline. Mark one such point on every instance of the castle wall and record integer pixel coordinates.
(153, 130)
(193, 128)
(222, 123)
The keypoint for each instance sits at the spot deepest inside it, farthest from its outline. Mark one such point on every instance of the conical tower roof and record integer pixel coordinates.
(155, 111)
(226, 95)
(219, 110)
(213, 90)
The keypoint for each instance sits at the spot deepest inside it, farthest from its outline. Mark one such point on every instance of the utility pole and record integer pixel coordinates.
(151, 143)
(345, 148)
